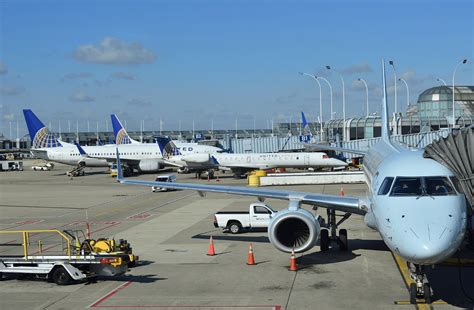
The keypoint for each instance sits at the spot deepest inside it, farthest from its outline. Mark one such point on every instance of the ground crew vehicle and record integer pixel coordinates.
(258, 216)
(163, 178)
(44, 167)
(57, 256)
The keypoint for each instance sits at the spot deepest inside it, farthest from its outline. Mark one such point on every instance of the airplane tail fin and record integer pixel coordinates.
(167, 147)
(121, 135)
(306, 129)
(39, 134)
(384, 116)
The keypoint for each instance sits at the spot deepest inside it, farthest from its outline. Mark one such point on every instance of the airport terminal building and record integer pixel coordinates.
(433, 111)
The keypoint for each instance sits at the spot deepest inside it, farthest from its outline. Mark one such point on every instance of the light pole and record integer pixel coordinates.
(320, 104)
(343, 105)
(442, 81)
(367, 93)
(454, 74)
(330, 91)
(395, 75)
(408, 91)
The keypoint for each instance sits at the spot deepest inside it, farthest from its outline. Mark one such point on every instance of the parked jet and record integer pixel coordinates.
(241, 163)
(413, 202)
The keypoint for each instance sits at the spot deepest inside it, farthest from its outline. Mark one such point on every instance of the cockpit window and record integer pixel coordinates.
(407, 186)
(438, 186)
(457, 186)
(385, 187)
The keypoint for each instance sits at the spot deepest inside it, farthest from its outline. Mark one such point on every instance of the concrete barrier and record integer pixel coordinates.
(312, 178)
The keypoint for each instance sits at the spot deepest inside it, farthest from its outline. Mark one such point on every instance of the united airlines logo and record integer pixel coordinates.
(44, 139)
(122, 137)
(170, 150)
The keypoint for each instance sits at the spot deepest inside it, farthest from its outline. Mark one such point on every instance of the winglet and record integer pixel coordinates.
(119, 167)
(384, 116)
(81, 150)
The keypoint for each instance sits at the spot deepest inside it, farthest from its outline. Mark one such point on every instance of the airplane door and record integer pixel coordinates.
(306, 160)
(260, 217)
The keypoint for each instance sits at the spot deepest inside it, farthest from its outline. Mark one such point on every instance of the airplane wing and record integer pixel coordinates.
(339, 203)
(321, 147)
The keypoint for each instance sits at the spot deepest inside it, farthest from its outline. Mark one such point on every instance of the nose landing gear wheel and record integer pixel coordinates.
(427, 293)
(413, 293)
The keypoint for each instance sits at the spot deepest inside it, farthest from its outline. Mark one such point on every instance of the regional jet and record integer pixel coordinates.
(413, 202)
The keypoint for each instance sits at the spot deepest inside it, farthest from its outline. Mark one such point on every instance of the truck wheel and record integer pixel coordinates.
(61, 276)
(235, 227)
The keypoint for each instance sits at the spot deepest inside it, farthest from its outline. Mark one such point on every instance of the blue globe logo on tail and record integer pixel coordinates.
(122, 137)
(39, 134)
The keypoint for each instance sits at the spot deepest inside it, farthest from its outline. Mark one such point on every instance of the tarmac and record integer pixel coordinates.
(170, 232)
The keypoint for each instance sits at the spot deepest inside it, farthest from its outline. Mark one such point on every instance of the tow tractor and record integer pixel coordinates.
(60, 257)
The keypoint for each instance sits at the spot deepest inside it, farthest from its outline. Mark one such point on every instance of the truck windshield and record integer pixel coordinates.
(261, 210)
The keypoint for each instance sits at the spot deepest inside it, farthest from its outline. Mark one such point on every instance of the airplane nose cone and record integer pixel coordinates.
(430, 243)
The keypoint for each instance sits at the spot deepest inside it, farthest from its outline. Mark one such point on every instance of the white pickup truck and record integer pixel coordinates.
(258, 216)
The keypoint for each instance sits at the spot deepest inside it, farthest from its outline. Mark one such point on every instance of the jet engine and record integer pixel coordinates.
(149, 165)
(196, 158)
(294, 229)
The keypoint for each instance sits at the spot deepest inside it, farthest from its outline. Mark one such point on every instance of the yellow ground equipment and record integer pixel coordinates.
(110, 246)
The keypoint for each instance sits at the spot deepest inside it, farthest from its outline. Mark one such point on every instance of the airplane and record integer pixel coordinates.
(413, 202)
(122, 137)
(242, 163)
(143, 157)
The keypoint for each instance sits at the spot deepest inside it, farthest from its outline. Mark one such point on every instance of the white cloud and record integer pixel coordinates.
(113, 51)
(80, 96)
(124, 76)
(3, 68)
(358, 68)
(76, 76)
(11, 90)
(9, 117)
(139, 102)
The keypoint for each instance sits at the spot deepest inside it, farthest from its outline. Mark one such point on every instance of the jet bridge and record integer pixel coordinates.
(456, 152)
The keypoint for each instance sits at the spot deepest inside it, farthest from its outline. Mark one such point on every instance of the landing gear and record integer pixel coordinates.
(420, 289)
(332, 225)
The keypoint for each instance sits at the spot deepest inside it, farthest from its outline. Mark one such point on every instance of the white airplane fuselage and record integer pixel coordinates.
(259, 160)
(422, 229)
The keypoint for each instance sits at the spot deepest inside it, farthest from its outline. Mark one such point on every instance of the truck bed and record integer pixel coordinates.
(233, 212)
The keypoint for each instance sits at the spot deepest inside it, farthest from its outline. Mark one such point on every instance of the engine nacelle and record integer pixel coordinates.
(290, 229)
(149, 165)
(196, 158)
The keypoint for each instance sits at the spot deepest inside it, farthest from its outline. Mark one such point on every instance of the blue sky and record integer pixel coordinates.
(219, 60)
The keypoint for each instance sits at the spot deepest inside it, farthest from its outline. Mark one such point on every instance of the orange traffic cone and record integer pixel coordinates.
(293, 261)
(211, 251)
(208, 178)
(341, 193)
(217, 177)
(251, 259)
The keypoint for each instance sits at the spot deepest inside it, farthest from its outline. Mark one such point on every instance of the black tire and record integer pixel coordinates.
(61, 276)
(427, 293)
(234, 227)
(324, 240)
(343, 242)
(413, 293)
